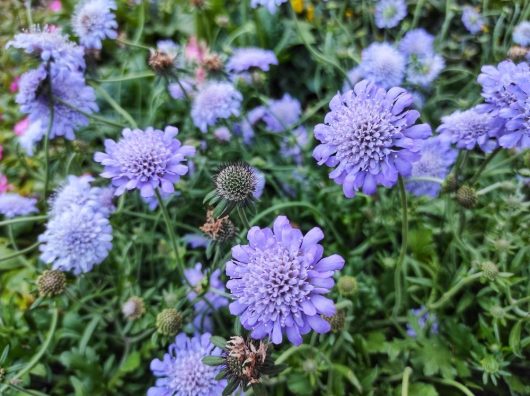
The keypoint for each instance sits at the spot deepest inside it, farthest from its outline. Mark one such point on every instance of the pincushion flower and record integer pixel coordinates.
(181, 371)
(472, 20)
(13, 205)
(278, 281)
(69, 87)
(293, 146)
(179, 90)
(383, 65)
(423, 70)
(76, 240)
(93, 21)
(388, 13)
(370, 138)
(215, 101)
(283, 114)
(245, 59)
(517, 116)
(31, 136)
(470, 128)
(417, 42)
(145, 160)
(437, 157)
(521, 34)
(270, 5)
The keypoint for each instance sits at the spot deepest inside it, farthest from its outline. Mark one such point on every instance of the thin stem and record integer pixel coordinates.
(20, 252)
(129, 77)
(91, 116)
(27, 4)
(36, 358)
(484, 165)
(398, 274)
(22, 220)
(47, 138)
(455, 289)
(133, 45)
(405, 382)
(115, 105)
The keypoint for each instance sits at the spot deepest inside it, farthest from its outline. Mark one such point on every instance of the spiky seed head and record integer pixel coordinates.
(467, 197)
(133, 308)
(161, 62)
(51, 283)
(347, 285)
(169, 322)
(212, 63)
(491, 271)
(236, 182)
(337, 321)
(450, 183)
(221, 229)
(517, 52)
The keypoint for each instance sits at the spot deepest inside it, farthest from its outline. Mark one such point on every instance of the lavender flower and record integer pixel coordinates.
(222, 134)
(282, 114)
(168, 47)
(245, 59)
(182, 373)
(292, 146)
(370, 137)
(215, 101)
(69, 87)
(354, 76)
(179, 90)
(146, 160)
(472, 20)
(93, 20)
(77, 191)
(29, 139)
(13, 205)
(517, 116)
(271, 5)
(195, 240)
(423, 70)
(279, 279)
(421, 322)
(209, 300)
(388, 13)
(76, 240)
(437, 157)
(260, 184)
(417, 42)
(246, 127)
(383, 65)
(470, 128)
(521, 34)
(50, 46)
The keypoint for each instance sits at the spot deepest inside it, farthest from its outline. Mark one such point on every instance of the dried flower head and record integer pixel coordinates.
(337, 321)
(51, 283)
(169, 322)
(212, 62)
(133, 308)
(161, 62)
(517, 52)
(221, 229)
(245, 360)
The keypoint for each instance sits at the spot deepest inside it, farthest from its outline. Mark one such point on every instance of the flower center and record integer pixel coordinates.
(144, 159)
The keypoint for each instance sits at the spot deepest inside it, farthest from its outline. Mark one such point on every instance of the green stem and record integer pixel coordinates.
(398, 274)
(455, 289)
(405, 382)
(133, 45)
(484, 165)
(91, 116)
(33, 362)
(20, 252)
(22, 220)
(128, 77)
(115, 105)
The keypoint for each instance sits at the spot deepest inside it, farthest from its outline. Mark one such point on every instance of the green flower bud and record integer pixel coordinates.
(169, 322)
(467, 197)
(347, 285)
(51, 283)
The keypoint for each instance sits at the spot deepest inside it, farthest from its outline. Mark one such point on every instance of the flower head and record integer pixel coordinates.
(437, 156)
(69, 87)
(282, 114)
(235, 183)
(13, 205)
(516, 133)
(169, 322)
(388, 13)
(271, 5)
(423, 70)
(422, 320)
(383, 65)
(278, 281)
(470, 128)
(293, 146)
(51, 283)
(354, 76)
(50, 45)
(31, 136)
(181, 372)
(133, 308)
(245, 59)
(215, 101)
(370, 138)
(76, 240)
(472, 20)
(521, 34)
(179, 90)
(93, 20)
(146, 160)
(218, 230)
(417, 42)
(210, 300)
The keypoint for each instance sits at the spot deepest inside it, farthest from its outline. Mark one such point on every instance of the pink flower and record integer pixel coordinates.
(13, 87)
(55, 5)
(195, 50)
(21, 127)
(1, 151)
(4, 185)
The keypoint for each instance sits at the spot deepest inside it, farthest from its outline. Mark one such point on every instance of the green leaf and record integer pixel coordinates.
(347, 373)
(515, 339)
(131, 363)
(421, 389)
(435, 359)
(230, 388)
(219, 342)
(213, 360)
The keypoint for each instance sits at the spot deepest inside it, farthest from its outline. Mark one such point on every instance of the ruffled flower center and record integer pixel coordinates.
(191, 376)
(143, 158)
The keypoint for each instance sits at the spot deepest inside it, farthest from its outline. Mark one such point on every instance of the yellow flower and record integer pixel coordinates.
(310, 13)
(298, 6)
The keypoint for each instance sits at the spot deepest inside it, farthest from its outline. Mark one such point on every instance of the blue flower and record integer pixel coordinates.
(245, 59)
(472, 20)
(354, 76)
(516, 132)
(208, 301)
(29, 139)
(271, 5)
(93, 20)
(421, 321)
(181, 372)
(281, 115)
(68, 87)
(76, 240)
(370, 138)
(145, 160)
(179, 90)
(215, 101)
(196, 240)
(521, 34)
(468, 129)
(423, 70)
(388, 13)
(417, 42)
(437, 157)
(50, 46)
(383, 65)
(260, 184)
(294, 145)
(278, 281)
(13, 205)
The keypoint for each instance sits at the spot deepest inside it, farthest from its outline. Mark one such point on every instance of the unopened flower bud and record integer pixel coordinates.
(169, 322)
(133, 308)
(467, 197)
(347, 285)
(491, 271)
(51, 283)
